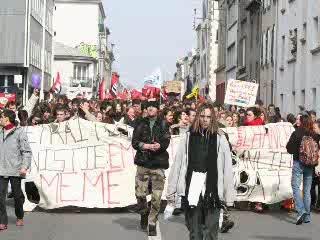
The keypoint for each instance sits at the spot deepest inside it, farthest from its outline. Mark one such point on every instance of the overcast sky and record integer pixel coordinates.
(148, 34)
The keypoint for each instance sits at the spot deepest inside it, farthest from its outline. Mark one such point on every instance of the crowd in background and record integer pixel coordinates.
(177, 115)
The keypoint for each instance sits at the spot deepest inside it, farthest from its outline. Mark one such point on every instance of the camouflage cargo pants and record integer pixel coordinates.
(157, 178)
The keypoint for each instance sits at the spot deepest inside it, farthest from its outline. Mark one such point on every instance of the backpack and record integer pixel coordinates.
(309, 151)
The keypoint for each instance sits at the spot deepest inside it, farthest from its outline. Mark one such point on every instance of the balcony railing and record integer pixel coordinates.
(82, 81)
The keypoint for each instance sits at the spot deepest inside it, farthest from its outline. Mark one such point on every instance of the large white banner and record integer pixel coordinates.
(87, 164)
(262, 168)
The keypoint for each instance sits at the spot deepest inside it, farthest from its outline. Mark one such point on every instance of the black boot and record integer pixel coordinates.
(144, 221)
(152, 230)
(226, 226)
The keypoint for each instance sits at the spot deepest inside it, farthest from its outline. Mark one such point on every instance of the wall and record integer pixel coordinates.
(267, 72)
(300, 73)
(213, 47)
(232, 31)
(81, 27)
(12, 29)
(65, 68)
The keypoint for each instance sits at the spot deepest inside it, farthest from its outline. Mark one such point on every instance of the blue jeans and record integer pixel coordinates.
(298, 171)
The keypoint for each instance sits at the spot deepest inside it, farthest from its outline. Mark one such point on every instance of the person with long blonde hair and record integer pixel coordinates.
(203, 154)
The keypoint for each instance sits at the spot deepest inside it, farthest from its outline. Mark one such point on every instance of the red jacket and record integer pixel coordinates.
(255, 122)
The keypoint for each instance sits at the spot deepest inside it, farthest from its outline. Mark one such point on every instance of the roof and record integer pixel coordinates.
(85, 1)
(63, 51)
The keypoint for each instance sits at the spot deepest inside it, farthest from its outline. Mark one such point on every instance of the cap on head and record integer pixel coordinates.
(153, 104)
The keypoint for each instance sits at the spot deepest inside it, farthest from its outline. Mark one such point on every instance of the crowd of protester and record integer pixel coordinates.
(178, 116)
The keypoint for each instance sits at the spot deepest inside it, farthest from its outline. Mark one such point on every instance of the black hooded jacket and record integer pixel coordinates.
(142, 134)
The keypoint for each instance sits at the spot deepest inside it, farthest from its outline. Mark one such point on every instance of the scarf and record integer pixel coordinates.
(203, 157)
(9, 127)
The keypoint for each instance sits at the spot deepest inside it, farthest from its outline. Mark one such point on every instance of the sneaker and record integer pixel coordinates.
(19, 223)
(144, 221)
(152, 230)
(3, 227)
(226, 226)
(300, 219)
(307, 218)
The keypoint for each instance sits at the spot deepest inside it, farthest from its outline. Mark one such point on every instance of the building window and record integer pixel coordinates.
(294, 100)
(232, 14)
(283, 6)
(304, 33)
(231, 55)
(204, 38)
(281, 101)
(80, 73)
(263, 49)
(37, 9)
(268, 3)
(251, 34)
(314, 98)
(267, 46)
(217, 36)
(283, 46)
(272, 44)
(316, 32)
(204, 67)
(205, 9)
(293, 36)
(242, 52)
(303, 98)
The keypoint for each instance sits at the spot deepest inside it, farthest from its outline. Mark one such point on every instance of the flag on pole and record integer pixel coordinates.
(56, 88)
(194, 93)
(102, 90)
(114, 84)
(154, 79)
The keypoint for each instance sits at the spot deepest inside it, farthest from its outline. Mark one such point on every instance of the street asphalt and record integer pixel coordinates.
(98, 224)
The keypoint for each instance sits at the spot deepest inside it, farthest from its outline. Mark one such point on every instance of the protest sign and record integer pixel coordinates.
(241, 93)
(173, 86)
(88, 164)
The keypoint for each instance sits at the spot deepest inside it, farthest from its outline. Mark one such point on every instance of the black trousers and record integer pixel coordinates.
(202, 223)
(315, 197)
(17, 196)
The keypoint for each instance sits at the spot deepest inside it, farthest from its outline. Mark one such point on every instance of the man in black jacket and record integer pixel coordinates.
(151, 139)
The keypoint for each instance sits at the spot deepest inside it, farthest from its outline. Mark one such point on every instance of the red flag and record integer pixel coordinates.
(56, 88)
(151, 92)
(102, 90)
(114, 84)
(122, 96)
(109, 96)
(135, 94)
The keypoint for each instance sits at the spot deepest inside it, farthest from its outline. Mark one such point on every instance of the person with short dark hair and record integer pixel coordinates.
(253, 117)
(183, 124)
(60, 114)
(259, 103)
(15, 160)
(11, 105)
(150, 139)
(23, 117)
(291, 118)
